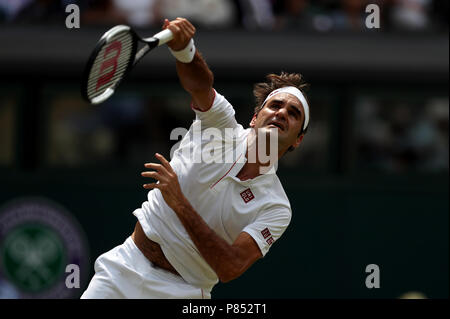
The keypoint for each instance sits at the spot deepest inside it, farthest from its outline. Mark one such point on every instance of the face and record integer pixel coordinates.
(285, 113)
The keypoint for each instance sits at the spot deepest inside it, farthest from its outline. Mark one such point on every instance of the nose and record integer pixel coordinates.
(282, 113)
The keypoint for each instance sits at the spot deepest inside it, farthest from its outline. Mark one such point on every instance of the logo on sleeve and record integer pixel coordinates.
(267, 235)
(266, 232)
(247, 195)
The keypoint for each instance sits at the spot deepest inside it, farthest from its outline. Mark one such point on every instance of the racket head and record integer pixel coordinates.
(109, 62)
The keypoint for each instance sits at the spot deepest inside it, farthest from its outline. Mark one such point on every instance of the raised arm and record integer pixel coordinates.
(195, 76)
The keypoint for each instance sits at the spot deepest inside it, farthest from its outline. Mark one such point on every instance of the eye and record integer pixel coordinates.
(293, 114)
(274, 106)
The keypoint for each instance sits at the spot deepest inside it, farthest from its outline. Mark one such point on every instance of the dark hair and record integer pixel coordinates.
(274, 81)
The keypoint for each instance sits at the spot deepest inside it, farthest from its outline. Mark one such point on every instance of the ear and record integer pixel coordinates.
(298, 141)
(252, 122)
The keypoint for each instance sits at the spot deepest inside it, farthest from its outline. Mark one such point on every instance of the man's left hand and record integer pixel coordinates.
(167, 182)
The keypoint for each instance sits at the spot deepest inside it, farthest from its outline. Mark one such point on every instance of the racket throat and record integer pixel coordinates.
(150, 44)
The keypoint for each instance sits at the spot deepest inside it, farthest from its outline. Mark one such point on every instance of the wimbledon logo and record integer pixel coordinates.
(38, 239)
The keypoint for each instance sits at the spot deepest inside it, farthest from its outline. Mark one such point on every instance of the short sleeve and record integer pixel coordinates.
(220, 115)
(269, 226)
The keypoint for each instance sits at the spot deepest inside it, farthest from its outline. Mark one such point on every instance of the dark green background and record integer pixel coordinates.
(343, 218)
(339, 226)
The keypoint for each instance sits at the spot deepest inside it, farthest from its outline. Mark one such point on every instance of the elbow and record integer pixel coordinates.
(226, 278)
(229, 274)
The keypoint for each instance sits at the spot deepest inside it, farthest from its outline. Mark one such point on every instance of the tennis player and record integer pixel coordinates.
(205, 221)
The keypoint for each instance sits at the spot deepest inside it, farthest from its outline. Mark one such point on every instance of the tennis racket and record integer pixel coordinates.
(113, 58)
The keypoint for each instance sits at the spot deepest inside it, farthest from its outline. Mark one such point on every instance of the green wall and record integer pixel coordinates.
(339, 226)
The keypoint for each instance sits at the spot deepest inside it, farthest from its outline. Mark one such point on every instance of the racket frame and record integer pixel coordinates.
(135, 56)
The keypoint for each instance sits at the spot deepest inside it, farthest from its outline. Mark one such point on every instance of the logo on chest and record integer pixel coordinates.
(247, 195)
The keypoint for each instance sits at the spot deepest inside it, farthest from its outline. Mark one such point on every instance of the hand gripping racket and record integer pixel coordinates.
(113, 58)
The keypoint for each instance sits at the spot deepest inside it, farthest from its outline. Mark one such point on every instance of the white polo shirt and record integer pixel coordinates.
(229, 206)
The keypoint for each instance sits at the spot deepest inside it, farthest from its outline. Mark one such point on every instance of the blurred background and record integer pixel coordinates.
(369, 184)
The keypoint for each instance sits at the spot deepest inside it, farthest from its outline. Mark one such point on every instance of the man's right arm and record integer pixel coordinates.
(197, 79)
(195, 76)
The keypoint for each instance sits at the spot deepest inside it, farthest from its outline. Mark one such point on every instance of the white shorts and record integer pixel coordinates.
(124, 272)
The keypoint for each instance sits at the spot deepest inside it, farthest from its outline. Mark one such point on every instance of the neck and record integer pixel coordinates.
(254, 166)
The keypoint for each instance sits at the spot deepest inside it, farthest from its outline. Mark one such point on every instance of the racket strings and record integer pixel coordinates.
(110, 64)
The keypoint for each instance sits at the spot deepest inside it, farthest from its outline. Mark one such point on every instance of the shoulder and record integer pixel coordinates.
(275, 190)
(219, 115)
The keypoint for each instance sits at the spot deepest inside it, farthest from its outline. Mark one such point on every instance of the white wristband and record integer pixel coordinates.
(187, 54)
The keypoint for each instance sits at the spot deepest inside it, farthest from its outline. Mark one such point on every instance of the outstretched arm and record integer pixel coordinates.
(228, 261)
(195, 76)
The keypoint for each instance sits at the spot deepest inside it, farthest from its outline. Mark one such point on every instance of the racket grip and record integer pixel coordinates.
(164, 36)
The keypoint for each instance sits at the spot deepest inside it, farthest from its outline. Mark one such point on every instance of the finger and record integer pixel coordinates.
(175, 30)
(166, 23)
(188, 26)
(191, 29)
(151, 186)
(164, 162)
(186, 34)
(154, 175)
(157, 167)
(187, 31)
(182, 30)
(186, 23)
(173, 27)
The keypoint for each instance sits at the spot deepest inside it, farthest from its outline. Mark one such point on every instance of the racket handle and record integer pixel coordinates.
(164, 36)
